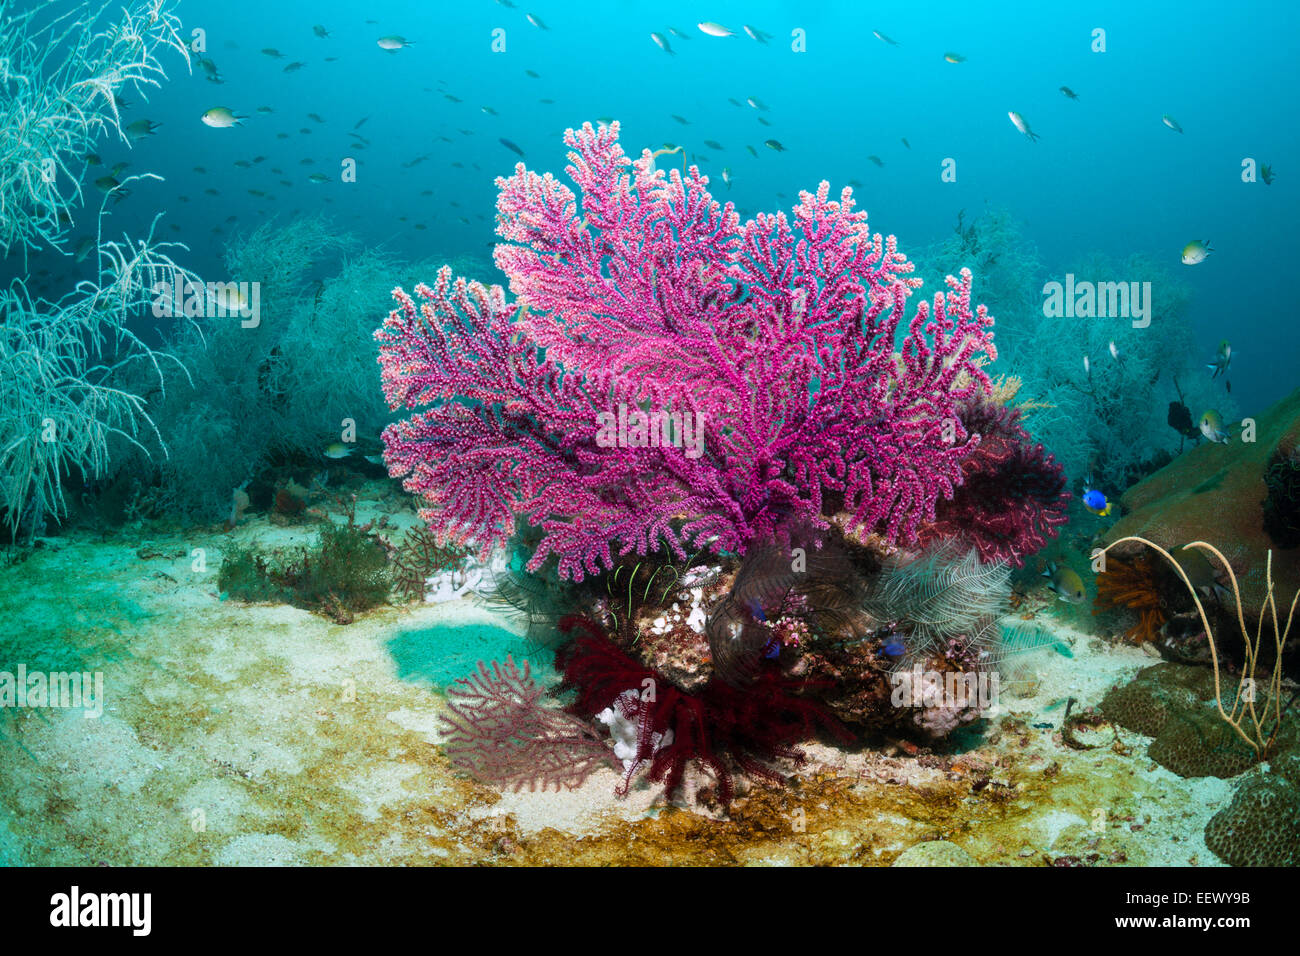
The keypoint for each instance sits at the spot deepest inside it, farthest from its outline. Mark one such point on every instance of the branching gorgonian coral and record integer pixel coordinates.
(764, 350)
(60, 79)
(63, 371)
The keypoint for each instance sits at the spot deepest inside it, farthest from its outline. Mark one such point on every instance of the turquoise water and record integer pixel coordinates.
(444, 654)
(1105, 174)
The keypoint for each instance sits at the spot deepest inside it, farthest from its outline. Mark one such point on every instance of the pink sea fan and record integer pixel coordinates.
(775, 338)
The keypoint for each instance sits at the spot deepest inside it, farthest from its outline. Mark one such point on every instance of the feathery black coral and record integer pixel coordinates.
(942, 594)
(500, 733)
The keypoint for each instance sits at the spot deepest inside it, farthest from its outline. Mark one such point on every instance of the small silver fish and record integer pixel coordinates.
(1019, 122)
(714, 29)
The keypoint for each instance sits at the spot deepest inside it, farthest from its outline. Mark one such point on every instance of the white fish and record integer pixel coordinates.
(1196, 251)
(1114, 351)
(1087, 367)
(221, 117)
(393, 42)
(714, 29)
(230, 298)
(661, 41)
(1019, 122)
(1211, 425)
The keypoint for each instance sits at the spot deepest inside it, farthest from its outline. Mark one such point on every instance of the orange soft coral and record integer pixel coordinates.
(1131, 584)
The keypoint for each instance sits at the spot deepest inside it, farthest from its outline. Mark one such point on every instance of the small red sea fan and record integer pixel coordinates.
(500, 733)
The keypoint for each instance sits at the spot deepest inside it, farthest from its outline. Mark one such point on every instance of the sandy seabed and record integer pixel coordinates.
(265, 735)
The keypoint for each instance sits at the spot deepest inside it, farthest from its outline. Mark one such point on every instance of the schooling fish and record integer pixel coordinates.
(221, 117)
(1212, 427)
(774, 144)
(394, 42)
(1171, 123)
(714, 29)
(1019, 122)
(1196, 251)
(1222, 359)
(883, 39)
(511, 146)
(337, 450)
(1069, 93)
(954, 58)
(661, 41)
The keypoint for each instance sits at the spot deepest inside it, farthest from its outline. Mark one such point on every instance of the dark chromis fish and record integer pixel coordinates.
(1066, 583)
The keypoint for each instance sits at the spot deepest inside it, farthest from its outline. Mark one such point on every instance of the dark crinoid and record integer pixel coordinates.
(418, 558)
(1282, 506)
(1131, 584)
(789, 579)
(722, 728)
(1012, 497)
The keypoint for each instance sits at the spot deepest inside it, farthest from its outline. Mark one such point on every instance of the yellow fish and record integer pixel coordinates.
(1066, 583)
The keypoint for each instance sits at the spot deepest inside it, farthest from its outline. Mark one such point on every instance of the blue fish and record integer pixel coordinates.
(756, 609)
(1094, 500)
(894, 648)
(772, 649)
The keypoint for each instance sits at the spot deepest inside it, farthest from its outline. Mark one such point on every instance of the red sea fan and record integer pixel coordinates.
(722, 728)
(500, 733)
(1012, 496)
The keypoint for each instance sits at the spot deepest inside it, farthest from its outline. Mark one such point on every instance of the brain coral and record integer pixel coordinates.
(1261, 827)
(1217, 493)
(1174, 703)
(1157, 693)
